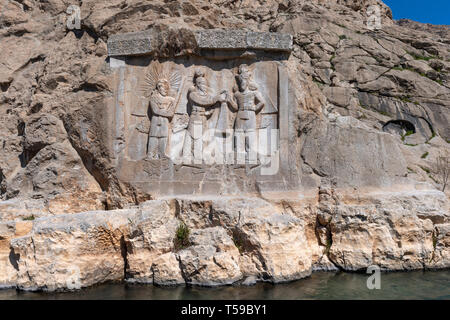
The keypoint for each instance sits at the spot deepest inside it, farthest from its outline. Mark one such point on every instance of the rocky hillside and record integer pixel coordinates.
(373, 127)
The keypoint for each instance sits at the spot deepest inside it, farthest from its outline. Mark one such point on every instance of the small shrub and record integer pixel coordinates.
(434, 180)
(434, 240)
(328, 245)
(384, 113)
(432, 136)
(442, 170)
(181, 240)
(434, 237)
(408, 133)
(238, 242)
(419, 57)
(425, 155)
(318, 83)
(406, 99)
(425, 169)
(29, 218)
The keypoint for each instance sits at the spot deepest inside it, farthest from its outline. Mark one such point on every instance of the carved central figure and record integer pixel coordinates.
(248, 101)
(202, 99)
(160, 87)
(162, 107)
(194, 123)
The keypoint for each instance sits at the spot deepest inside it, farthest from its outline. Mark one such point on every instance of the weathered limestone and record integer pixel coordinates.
(241, 239)
(166, 270)
(130, 44)
(441, 253)
(373, 157)
(71, 251)
(8, 263)
(362, 117)
(390, 233)
(151, 236)
(269, 241)
(146, 42)
(17, 209)
(211, 260)
(240, 39)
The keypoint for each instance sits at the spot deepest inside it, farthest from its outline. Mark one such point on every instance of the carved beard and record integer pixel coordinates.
(205, 90)
(162, 101)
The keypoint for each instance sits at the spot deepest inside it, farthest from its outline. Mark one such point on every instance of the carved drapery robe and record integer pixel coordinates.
(162, 111)
(200, 101)
(247, 109)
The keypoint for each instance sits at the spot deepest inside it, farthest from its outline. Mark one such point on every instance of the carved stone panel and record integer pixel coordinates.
(192, 125)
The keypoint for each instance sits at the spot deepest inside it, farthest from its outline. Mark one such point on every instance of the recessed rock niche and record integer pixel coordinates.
(214, 119)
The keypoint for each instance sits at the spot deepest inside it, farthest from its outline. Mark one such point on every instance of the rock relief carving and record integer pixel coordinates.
(162, 88)
(236, 105)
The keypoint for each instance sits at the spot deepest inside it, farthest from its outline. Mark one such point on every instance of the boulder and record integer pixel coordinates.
(68, 252)
(151, 235)
(166, 270)
(211, 260)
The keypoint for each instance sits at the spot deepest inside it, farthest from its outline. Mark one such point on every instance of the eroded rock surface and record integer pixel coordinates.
(71, 251)
(370, 118)
(241, 240)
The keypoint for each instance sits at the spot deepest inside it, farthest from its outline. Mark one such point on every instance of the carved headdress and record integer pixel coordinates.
(157, 72)
(244, 73)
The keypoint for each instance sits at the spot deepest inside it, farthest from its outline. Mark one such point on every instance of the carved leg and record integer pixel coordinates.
(187, 149)
(229, 153)
(219, 147)
(198, 151)
(162, 146)
(239, 141)
(152, 148)
(199, 139)
(251, 146)
(263, 145)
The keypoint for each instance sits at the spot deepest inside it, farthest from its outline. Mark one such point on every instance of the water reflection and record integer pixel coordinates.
(399, 285)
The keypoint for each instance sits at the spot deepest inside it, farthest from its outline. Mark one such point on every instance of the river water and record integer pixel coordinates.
(322, 285)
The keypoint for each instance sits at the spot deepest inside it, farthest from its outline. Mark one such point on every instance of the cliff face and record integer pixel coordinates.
(372, 121)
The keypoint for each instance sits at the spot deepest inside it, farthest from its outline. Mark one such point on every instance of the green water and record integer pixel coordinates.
(398, 285)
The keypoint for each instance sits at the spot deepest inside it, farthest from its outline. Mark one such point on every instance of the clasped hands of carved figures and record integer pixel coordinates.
(223, 96)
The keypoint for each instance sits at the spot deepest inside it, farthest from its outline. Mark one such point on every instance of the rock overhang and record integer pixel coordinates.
(147, 42)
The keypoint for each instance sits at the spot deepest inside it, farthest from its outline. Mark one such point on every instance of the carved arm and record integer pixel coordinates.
(167, 113)
(260, 100)
(232, 103)
(203, 101)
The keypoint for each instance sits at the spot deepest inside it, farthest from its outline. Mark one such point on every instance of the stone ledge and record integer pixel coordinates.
(134, 43)
(145, 42)
(241, 39)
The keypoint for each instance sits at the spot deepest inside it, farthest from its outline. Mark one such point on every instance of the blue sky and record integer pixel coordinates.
(431, 11)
